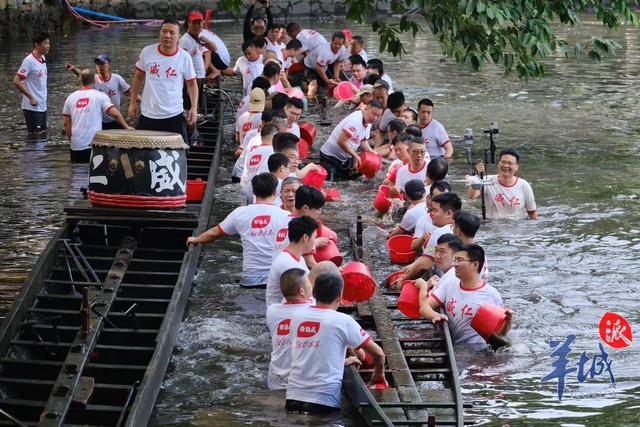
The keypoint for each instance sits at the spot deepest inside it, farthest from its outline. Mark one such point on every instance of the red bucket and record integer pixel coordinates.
(331, 194)
(393, 277)
(329, 253)
(382, 203)
(316, 178)
(303, 149)
(344, 91)
(358, 283)
(308, 132)
(370, 164)
(195, 189)
(325, 231)
(488, 320)
(409, 301)
(400, 249)
(296, 67)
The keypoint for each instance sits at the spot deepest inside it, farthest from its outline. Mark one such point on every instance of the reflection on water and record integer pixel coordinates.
(577, 134)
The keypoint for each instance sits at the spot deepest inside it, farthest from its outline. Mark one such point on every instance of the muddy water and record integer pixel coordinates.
(579, 144)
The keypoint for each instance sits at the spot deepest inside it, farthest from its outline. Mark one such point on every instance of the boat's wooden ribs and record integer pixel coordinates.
(84, 344)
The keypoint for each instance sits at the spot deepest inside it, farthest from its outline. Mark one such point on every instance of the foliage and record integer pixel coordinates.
(516, 35)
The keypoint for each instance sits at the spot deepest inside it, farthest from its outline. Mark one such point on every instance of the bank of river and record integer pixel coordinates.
(577, 134)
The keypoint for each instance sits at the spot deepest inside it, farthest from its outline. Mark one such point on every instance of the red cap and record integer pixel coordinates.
(347, 33)
(196, 16)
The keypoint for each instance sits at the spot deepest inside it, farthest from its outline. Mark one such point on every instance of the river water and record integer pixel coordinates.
(579, 144)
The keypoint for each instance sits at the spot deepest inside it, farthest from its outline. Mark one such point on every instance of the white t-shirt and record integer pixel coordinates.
(406, 174)
(435, 138)
(294, 129)
(461, 305)
(246, 122)
(85, 107)
(279, 324)
(423, 226)
(277, 48)
(113, 88)
(195, 50)
(348, 53)
(353, 126)
(221, 48)
(412, 215)
(383, 122)
(248, 142)
(249, 71)
(283, 262)
(254, 162)
(243, 106)
(323, 56)
(505, 202)
(429, 249)
(256, 225)
(33, 72)
(164, 79)
(318, 352)
(310, 40)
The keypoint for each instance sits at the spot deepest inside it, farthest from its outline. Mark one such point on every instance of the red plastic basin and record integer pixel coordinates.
(329, 253)
(358, 284)
(370, 164)
(400, 249)
(409, 302)
(308, 132)
(316, 178)
(303, 149)
(324, 231)
(489, 319)
(393, 277)
(195, 189)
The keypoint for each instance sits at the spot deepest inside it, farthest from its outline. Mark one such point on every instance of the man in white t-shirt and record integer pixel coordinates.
(82, 116)
(465, 226)
(250, 119)
(259, 82)
(219, 59)
(338, 155)
(31, 81)
(395, 108)
(357, 48)
(425, 226)
(433, 133)
(249, 66)
(463, 299)
(273, 42)
(320, 341)
(415, 169)
(293, 109)
(165, 69)
(448, 245)
(416, 195)
(310, 39)
(257, 226)
(443, 208)
(506, 196)
(111, 84)
(376, 66)
(302, 233)
(297, 290)
(257, 156)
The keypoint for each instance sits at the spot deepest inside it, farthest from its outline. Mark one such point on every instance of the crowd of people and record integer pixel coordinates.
(284, 68)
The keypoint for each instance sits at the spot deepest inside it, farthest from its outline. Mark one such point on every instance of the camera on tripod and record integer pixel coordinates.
(493, 129)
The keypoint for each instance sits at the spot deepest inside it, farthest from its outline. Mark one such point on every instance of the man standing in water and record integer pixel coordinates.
(165, 68)
(507, 196)
(31, 81)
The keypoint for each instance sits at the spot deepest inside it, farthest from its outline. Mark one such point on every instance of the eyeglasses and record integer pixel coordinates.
(419, 151)
(458, 261)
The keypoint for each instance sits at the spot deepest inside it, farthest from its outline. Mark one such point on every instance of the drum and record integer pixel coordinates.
(138, 169)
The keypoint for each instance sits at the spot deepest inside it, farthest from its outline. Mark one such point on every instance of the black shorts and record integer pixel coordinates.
(175, 124)
(312, 74)
(336, 169)
(217, 62)
(307, 408)
(110, 125)
(36, 120)
(186, 100)
(80, 156)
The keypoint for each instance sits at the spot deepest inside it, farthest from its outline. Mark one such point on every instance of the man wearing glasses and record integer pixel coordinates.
(507, 196)
(463, 297)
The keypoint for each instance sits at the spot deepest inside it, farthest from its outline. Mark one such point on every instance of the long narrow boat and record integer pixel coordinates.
(89, 338)
(421, 369)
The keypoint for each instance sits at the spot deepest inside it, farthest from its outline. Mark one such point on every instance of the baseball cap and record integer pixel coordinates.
(414, 189)
(256, 101)
(347, 33)
(364, 89)
(103, 57)
(196, 16)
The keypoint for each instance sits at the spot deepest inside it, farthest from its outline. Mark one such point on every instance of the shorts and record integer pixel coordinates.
(110, 125)
(217, 62)
(80, 156)
(311, 74)
(307, 408)
(336, 168)
(36, 120)
(186, 100)
(175, 124)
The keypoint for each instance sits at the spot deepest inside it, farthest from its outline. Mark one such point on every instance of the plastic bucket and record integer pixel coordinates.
(316, 178)
(329, 253)
(331, 194)
(382, 203)
(370, 164)
(195, 189)
(358, 283)
(393, 277)
(308, 132)
(488, 320)
(303, 149)
(325, 231)
(344, 91)
(400, 249)
(296, 67)
(409, 301)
